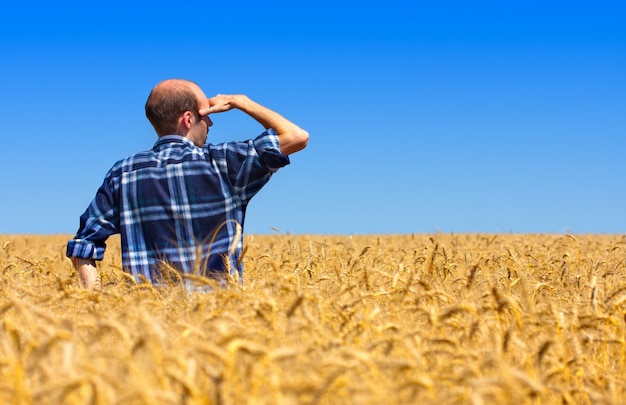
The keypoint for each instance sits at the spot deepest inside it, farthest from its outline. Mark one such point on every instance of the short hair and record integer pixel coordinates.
(166, 103)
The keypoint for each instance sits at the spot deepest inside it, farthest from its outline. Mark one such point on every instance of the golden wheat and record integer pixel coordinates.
(476, 319)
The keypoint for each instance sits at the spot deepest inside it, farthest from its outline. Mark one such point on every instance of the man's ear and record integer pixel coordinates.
(187, 119)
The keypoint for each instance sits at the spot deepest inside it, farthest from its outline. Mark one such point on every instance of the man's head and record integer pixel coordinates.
(172, 108)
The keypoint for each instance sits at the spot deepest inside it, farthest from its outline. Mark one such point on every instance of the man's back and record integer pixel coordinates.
(182, 205)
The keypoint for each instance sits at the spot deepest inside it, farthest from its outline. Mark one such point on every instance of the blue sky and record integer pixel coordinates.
(450, 116)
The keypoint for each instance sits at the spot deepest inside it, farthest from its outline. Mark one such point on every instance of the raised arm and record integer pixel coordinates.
(292, 138)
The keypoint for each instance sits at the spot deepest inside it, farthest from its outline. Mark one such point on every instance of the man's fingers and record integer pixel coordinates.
(218, 107)
(211, 110)
(217, 104)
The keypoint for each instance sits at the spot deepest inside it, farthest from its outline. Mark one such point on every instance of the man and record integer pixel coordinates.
(181, 205)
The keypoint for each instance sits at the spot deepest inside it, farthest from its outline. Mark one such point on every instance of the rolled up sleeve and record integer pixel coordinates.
(267, 147)
(97, 223)
(85, 249)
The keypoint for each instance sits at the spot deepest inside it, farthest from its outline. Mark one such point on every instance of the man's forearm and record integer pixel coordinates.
(263, 115)
(292, 138)
(88, 273)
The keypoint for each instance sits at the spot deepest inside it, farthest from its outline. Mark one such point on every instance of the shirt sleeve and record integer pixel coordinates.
(267, 147)
(251, 163)
(98, 222)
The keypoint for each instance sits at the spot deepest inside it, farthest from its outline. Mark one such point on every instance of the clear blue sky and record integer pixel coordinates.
(424, 116)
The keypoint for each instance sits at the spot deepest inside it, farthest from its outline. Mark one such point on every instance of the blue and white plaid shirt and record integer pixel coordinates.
(179, 204)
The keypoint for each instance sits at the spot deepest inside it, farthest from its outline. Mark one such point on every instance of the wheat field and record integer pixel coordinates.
(422, 319)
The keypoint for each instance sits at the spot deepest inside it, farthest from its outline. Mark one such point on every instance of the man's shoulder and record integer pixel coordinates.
(132, 162)
(223, 149)
(243, 147)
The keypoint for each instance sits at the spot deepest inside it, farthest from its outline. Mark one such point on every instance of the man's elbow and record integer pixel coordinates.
(297, 140)
(302, 137)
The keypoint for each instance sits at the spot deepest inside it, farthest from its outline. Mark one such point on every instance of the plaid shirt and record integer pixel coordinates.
(179, 204)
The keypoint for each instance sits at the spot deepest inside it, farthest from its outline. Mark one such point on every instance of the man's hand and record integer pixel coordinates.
(88, 273)
(221, 103)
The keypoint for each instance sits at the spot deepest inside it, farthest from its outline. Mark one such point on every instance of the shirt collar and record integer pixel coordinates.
(170, 140)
